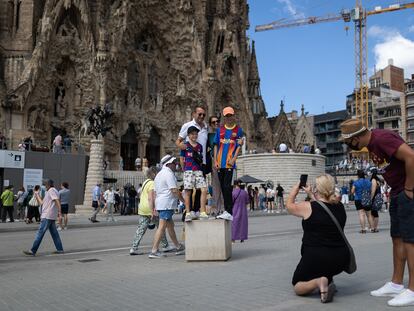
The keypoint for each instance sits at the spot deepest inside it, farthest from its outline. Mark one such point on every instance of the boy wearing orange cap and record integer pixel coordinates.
(226, 150)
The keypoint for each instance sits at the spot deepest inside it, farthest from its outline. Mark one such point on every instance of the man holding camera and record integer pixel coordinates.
(396, 159)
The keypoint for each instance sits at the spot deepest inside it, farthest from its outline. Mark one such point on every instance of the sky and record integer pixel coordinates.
(314, 65)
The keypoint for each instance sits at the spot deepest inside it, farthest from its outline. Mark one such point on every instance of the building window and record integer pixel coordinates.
(381, 125)
(395, 124)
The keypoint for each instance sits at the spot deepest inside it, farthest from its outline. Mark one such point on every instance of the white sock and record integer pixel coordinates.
(396, 286)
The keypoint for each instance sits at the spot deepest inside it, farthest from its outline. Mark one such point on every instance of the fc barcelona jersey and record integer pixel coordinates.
(227, 142)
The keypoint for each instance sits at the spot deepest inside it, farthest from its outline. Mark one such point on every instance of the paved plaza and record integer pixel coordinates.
(97, 273)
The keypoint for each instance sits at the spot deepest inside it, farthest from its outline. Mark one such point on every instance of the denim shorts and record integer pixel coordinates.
(402, 217)
(166, 214)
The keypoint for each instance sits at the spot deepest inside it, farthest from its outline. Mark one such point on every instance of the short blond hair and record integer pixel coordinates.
(325, 186)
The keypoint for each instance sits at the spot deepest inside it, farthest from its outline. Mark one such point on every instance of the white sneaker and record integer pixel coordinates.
(387, 291)
(193, 215)
(134, 252)
(406, 298)
(59, 228)
(225, 216)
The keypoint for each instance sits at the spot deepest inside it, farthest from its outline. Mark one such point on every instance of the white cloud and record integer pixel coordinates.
(392, 45)
(291, 9)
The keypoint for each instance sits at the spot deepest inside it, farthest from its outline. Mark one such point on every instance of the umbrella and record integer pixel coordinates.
(247, 179)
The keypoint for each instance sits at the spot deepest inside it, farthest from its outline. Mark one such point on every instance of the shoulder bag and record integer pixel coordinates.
(352, 266)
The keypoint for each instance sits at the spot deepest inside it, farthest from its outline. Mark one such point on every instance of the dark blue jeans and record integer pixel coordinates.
(47, 224)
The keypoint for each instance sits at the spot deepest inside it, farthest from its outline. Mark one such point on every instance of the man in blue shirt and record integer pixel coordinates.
(96, 202)
(359, 189)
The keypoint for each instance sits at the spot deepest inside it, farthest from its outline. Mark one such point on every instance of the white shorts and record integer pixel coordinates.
(345, 199)
(194, 179)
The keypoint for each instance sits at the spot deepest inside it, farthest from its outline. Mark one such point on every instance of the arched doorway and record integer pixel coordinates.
(153, 148)
(129, 148)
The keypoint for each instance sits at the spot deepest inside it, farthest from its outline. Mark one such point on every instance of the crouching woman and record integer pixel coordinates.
(324, 252)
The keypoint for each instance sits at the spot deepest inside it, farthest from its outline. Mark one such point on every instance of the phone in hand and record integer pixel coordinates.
(303, 180)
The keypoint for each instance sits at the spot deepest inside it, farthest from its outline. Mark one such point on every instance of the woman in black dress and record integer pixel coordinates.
(324, 252)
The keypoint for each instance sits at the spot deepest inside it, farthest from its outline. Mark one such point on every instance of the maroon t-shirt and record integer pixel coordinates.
(382, 148)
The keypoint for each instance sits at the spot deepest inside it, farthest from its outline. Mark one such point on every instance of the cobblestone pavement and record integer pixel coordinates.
(97, 273)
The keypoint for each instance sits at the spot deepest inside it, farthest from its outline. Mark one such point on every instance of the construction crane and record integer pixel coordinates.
(359, 16)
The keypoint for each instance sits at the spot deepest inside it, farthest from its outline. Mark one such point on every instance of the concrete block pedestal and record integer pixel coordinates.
(208, 240)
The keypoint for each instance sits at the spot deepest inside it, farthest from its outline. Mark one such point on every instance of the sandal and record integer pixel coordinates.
(374, 231)
(363, 231)
(328, 296)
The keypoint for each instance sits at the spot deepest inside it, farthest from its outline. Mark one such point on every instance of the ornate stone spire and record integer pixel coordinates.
(282, 105)
(253, 69)
(303, 110)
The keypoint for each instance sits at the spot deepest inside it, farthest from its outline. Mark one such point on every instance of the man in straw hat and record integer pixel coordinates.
(396, 159)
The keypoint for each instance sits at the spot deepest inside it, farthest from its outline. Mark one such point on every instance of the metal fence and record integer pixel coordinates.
(124, 178)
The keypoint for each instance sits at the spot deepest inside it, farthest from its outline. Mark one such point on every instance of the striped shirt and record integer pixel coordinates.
(227, 142)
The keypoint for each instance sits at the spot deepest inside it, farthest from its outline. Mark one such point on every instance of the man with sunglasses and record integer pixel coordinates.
(199, 114)
(226, 149)
(393, 156)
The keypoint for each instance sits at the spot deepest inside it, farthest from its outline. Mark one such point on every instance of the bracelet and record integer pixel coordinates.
(412, 190)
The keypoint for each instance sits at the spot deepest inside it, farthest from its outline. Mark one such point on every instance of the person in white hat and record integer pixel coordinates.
(166, 195)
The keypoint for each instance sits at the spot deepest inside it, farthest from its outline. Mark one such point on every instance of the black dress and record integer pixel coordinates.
(324, 252)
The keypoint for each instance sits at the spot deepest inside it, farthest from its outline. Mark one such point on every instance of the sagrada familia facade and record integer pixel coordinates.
(151, 60)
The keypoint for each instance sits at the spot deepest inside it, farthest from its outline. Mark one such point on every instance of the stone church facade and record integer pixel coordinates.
(152, 60)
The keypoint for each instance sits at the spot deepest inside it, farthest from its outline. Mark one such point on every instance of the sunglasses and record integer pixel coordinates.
(201, 114)
(215, 122)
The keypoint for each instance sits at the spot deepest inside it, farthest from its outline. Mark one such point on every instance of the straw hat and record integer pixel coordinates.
(351, 128)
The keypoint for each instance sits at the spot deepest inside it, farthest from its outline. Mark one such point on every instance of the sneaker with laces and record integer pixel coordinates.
(388, 290)
(168, 249)
(203, 216)
(156, 255)
(134, 252)
(406, 298)
(188, 218)
(180, 250)
(225, 216)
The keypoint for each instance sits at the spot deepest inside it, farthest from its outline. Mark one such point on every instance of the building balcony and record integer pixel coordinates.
(409, 104)
(410, 117)
(387, 118)
(388, 104)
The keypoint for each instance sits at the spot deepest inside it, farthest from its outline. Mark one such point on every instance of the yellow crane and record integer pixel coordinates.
(359, 16)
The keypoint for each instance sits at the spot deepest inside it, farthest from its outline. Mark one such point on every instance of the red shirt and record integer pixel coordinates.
(382, 148)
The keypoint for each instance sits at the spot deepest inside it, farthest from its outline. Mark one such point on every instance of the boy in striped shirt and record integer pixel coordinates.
(226, 150)
(191, 161)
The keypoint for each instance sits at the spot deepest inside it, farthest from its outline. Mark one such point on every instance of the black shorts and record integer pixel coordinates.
(272, 199)
(402, 217)
(95, 204)
(65, 208)
(359, 206)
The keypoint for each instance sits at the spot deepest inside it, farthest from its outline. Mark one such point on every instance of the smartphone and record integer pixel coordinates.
(303, 180)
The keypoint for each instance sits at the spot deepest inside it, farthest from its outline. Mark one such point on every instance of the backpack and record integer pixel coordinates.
(366, 195)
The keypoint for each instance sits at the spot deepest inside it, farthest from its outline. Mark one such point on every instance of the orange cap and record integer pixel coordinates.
(228, 110)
